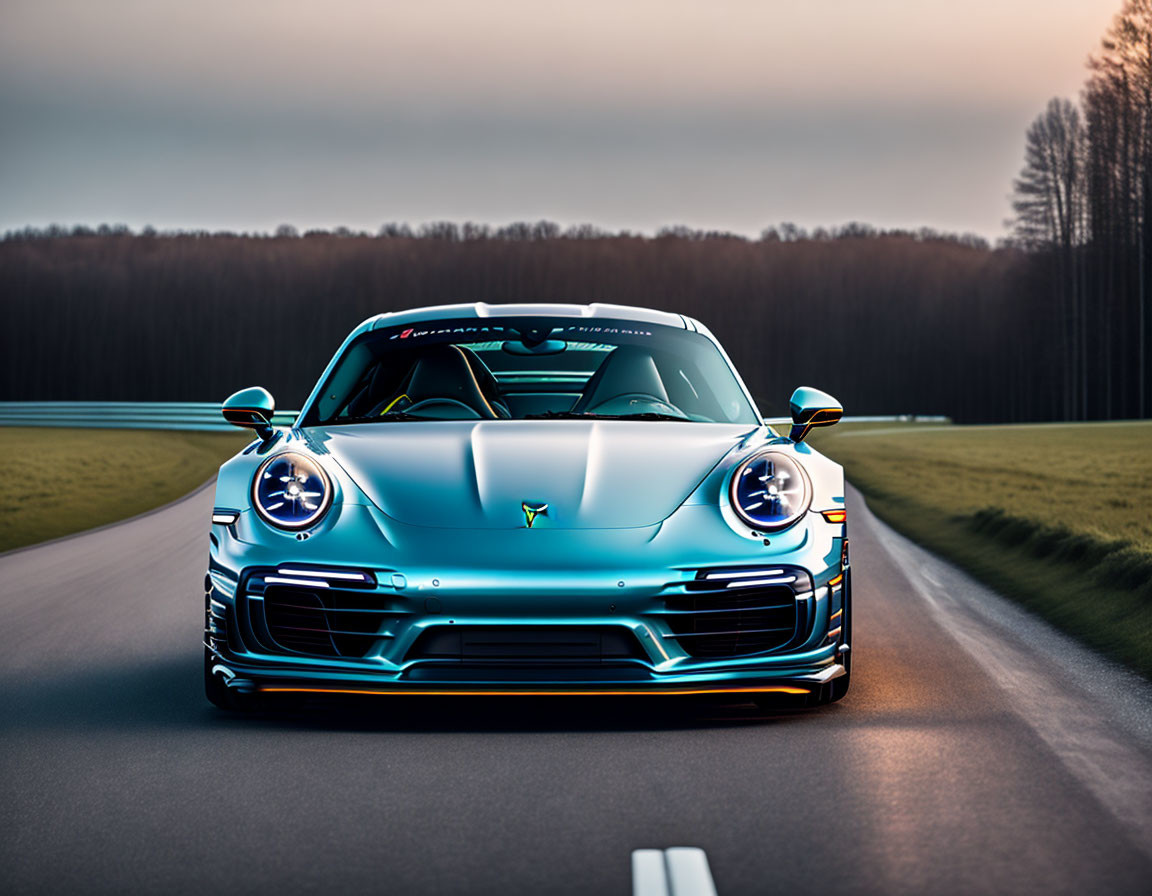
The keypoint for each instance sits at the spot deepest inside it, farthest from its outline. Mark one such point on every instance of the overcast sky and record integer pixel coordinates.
(730, 114)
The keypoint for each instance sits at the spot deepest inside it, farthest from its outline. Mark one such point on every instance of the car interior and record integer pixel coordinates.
(453, 382)
(530, 377)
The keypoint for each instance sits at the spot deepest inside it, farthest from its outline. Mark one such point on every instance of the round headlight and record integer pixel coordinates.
(770, 490)
(291, 491)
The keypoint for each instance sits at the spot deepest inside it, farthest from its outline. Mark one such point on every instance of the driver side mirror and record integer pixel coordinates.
(251, 408)
(811, 407)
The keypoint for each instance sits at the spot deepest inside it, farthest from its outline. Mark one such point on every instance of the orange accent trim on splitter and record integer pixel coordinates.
(834, 516)
(557, 693)
(836, 581)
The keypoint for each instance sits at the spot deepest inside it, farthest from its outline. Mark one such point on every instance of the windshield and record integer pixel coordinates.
(521, 368)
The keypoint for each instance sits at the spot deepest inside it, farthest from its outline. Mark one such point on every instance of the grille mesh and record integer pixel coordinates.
(328, 622)
(720, 617)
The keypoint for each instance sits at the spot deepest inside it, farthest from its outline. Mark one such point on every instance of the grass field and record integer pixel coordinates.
(1057, 516)
(66, 480)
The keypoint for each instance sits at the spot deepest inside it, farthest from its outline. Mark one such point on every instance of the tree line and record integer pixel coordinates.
(1081, 204)
(889, 322)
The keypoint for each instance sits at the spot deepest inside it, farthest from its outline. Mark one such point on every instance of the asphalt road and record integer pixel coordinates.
(978, 752)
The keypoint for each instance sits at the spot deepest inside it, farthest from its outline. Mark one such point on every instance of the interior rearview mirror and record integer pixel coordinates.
(547, 347)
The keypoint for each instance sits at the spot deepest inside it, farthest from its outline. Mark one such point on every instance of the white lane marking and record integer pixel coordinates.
(677, 871)
(688, 871)
(1085, 709)
(649, 877)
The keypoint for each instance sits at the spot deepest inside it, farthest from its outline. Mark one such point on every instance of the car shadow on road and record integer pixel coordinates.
(512, 714)
(166, 694)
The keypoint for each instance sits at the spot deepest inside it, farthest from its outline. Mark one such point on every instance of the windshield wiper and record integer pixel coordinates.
(389, 417)
(585, 415)
(567, 415)
(651, 415)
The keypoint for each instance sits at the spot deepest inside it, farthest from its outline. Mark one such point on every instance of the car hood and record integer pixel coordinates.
(476, 475)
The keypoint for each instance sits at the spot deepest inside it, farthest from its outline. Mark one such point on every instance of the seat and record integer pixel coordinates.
(442, 383)
(628, 371)
(486, 380)
(381, 386)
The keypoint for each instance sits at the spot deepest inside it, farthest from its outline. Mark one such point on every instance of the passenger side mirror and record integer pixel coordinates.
(251, 408)
(811, 407)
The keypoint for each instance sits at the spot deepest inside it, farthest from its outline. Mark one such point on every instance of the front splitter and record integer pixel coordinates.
(535, 692)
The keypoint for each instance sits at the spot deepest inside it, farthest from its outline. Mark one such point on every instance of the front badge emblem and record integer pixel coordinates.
(531, 511)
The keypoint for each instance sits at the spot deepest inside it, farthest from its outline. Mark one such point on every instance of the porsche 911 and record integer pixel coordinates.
(529, 499)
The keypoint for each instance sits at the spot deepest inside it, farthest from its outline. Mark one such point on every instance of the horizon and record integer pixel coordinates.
(498, 231)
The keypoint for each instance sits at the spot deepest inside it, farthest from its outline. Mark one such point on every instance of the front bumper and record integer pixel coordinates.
(736, 630)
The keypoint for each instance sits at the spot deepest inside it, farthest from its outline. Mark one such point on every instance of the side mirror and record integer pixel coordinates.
(251, 408)
(811, 407)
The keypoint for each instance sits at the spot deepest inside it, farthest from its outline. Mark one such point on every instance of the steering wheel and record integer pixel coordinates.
(456, 410)
(636, 403)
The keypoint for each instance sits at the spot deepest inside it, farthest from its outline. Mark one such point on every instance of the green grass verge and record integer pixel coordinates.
(1057, 517)
(66, 480)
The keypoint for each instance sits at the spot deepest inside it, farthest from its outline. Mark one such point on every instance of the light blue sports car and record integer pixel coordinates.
(529, 499)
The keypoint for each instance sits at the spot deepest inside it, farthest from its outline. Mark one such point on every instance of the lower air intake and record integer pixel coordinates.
(526, 645)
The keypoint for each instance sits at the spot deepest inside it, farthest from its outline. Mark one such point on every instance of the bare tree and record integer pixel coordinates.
(1050, 204)
(1049, 194)
(1118, 103)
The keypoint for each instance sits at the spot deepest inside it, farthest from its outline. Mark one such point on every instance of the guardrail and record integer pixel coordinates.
(205, 415)
(189, 415)
(894, 418)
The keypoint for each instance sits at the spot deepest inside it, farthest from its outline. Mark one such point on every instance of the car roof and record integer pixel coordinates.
(481, 310)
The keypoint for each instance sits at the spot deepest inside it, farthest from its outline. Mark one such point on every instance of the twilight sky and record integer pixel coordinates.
(729, 114)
